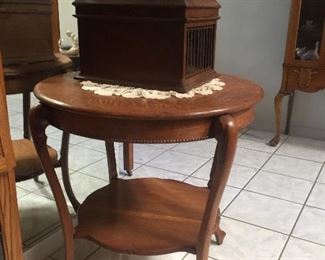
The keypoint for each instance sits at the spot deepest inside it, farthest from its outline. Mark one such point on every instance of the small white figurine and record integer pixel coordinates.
(310, 54)
(73, 49)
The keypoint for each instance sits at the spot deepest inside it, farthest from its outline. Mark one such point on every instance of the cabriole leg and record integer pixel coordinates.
(64, 162)
(38, 123)
(289, 114)
(226, 134)
(277, 107)
(111, 160)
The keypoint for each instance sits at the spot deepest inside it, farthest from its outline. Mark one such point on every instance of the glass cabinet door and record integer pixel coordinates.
(310, 30)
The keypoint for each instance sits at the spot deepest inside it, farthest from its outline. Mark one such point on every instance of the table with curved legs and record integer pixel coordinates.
(146, 216)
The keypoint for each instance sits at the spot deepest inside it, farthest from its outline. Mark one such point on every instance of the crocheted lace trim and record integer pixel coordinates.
(131, 92)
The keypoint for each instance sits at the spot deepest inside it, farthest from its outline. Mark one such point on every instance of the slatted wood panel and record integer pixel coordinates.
(200, 48)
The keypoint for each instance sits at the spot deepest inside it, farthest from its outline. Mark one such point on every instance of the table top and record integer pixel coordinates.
(64, 93)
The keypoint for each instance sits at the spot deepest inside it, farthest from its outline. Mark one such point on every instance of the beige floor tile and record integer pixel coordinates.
(280, 186)
(37, 214)
(293, 167)
(264, 211)
(321, 177)
(303, 148)
(201, 148)
(298, 249)
(178, 162)
(83, 248)
(311, 225)
(247, 242)
(143, 153)
(152, 172)
(317, 196)
(251, 158)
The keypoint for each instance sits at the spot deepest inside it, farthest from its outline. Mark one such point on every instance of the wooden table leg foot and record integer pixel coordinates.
(37, 180)
(220, 236)
(128, 158)
(219, 233)
(275, 140)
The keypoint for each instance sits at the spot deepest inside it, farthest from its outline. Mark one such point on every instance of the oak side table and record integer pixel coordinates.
(65, 105)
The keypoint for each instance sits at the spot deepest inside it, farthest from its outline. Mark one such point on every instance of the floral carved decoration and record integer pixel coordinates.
(304, 77)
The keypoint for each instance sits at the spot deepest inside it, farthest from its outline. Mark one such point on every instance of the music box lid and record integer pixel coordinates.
(157, 3)
(166, 9)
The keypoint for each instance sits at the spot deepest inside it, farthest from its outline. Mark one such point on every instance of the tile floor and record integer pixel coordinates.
(273, 206)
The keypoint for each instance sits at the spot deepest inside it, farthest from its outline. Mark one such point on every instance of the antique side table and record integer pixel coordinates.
(221, 115)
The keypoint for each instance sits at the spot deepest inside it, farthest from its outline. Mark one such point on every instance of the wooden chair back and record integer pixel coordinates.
(55, 25)
(9, 217)
(7, 159)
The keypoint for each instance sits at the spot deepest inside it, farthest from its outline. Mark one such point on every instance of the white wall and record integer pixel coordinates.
(251, 41)
(67, 21)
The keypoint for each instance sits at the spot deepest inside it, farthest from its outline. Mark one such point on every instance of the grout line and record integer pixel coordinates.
(304, 206)
(290, 176)
(195, 154)
(92, 253)
(255, 225)
(191, 175)
(306, 240)
(162, 152)
(259, 193)
(299, 158)
(44, 233)
(158, 168)
(274, 197)
(55, 251)
(85, 166)
(255, 150)
(252, 178)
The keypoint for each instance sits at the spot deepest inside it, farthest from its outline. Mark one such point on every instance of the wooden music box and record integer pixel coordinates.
(26, 31)
(154, 44)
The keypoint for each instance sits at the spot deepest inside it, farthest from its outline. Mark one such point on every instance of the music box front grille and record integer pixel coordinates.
(200, 48)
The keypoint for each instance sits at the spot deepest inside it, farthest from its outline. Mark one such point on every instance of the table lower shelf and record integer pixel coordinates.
(144, 216)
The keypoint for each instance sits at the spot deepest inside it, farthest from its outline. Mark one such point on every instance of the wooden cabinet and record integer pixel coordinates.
(29, 30)
(304, 63)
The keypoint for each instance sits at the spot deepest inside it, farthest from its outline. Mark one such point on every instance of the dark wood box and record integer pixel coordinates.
(26, 31)
(155, 44)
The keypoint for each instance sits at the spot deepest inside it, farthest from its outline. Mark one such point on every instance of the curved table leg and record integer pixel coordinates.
(38, 126)
(289, 114)
(223, 158)
(64, 162)
(26, 109)
(9, 217)
(111, 160)
(277, 107)
(128, 157)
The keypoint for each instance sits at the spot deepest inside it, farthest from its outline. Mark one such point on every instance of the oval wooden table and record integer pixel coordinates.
(145, 216)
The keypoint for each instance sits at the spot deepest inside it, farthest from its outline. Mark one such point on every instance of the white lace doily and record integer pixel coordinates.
(131, 92)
